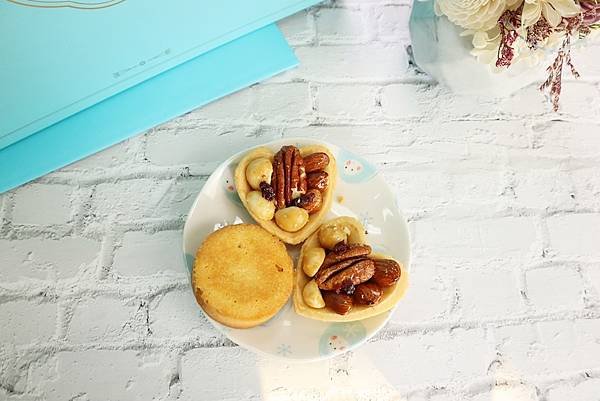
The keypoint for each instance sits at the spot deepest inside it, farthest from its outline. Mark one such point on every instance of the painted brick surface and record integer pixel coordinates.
(176, 315)
(555, 287)
(97, 375)
(97, 320)
(584, 391)
(502, 198)
(42, 258)
(143, 254)
(42, 205)
(27, 322)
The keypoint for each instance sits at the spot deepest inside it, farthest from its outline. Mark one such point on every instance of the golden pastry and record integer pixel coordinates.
(242, 275)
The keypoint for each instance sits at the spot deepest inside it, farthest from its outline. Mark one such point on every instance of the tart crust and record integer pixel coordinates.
(314, 220)
(391, 295)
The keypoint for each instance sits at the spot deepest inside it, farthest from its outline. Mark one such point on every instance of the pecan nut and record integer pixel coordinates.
(302, 185)
(298, 177)
(310, 201)
(278, 180)
(367, 294)
(387, 272)
(316, 162)
(324, 273)
(351, 251)
(289, 178)
(295, 174)
(319, 180)
(288, 157)
(339, 303)
(357, 273)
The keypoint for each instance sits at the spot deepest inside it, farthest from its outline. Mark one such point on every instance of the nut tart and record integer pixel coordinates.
(242, 275)
(288, 192)
(339, 279)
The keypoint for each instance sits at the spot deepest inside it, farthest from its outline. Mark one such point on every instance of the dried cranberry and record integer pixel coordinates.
(340, 247)
(348, 290)
(267, 191)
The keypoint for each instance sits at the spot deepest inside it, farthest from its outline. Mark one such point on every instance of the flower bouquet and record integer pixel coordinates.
(499, 46)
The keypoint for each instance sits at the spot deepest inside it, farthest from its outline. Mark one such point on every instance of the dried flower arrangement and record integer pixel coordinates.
(509, 32)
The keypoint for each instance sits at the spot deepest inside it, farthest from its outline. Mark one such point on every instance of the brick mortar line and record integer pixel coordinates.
(510, 212)
(137, 290)
(395, 330)
(190, 124)
(591, 297)
(573, 378)
(380, 120)
(94, 231)
(5, 213)
(50, 292)
(130, 172)
(200, 171)
(484, 384)
(183, 344)
(542, 382)
(122, 173)
(411, 76)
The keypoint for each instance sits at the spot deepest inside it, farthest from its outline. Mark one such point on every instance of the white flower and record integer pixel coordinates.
(552, 10)
(477, 15)
(485, 46)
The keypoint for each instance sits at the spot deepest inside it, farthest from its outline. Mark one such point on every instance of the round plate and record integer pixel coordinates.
(361, 193)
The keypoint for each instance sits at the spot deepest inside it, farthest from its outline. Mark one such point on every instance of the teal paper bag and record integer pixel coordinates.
(228, 68)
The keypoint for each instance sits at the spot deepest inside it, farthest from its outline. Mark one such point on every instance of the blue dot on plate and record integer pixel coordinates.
(339, 337)
(353, 168)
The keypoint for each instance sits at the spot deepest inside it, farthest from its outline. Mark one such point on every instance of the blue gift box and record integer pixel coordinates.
(156, 100)
(79, 76)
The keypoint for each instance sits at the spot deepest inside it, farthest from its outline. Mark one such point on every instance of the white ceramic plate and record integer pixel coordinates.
(364, 195)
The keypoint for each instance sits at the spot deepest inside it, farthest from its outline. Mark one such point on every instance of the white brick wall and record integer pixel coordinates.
(584, 391)
(144, 254)
(97, 375)
(42, 205)
(555, 287)
(38, 326)
(575, 235)
(42, 258)
(503, 198)
(175, 315)
(100, 319)
(219, 374)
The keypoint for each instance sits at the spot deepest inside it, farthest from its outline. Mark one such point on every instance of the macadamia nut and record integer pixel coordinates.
(312, 261)
(330, 235)
(259, 170)
(259, 206)
(312, 295)
(291, 219)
